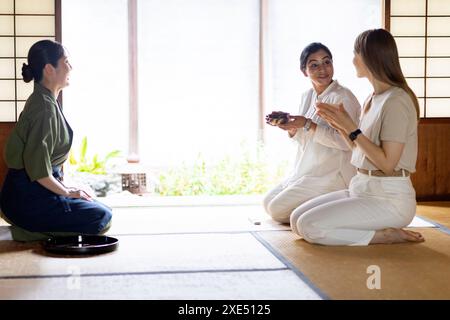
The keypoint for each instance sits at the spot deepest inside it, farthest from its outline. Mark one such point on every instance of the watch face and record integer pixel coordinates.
(354, 134)
(307, 125)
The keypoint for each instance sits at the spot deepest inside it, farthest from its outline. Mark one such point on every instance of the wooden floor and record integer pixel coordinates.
(436, 211)
(226, 252)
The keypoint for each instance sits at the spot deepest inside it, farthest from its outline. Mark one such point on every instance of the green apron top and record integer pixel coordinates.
(41, 138)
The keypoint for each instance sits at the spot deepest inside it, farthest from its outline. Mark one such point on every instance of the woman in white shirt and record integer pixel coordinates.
(322, 162)
(380, 200)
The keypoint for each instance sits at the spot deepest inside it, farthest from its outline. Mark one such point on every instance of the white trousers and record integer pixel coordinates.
(288, 195)
(351, 217)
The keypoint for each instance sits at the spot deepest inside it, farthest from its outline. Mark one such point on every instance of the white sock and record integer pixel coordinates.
(5, 233)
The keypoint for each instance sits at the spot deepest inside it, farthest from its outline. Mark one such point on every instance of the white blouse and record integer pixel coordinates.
(323, 153)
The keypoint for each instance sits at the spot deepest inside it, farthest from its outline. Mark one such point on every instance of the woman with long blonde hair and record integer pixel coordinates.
(380, 200)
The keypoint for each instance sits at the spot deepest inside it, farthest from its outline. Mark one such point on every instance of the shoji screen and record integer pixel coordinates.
(22, 22)
(422, 32)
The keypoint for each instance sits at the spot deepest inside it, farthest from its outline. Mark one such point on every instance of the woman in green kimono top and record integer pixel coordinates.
(34, 199)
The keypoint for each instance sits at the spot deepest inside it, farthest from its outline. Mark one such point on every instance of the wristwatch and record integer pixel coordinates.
(307, 125)
(353, 135)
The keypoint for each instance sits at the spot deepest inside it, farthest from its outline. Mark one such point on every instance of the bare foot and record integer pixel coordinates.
(392, 235)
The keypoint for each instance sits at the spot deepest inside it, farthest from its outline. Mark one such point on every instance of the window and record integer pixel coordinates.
(22, 23)
(198, 78)
(422, 32)
(96, 102)
(199, 70)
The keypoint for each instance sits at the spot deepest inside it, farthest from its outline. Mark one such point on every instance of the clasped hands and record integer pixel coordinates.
(336, 116)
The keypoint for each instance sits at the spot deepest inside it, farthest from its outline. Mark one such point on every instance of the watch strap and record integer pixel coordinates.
(353, 135)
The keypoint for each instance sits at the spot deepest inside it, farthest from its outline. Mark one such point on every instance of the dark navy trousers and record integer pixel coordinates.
(34, 208)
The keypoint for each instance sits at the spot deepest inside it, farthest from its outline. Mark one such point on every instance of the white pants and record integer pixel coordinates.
(284, 198)
(351, 217)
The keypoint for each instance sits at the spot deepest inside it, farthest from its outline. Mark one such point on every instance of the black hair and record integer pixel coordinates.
(40, 54)
(309, 50)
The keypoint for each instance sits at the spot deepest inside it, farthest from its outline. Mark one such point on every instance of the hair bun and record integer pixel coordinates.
(27, 73)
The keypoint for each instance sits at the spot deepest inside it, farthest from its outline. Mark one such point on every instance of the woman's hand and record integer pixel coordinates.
(294, 123)
(337, 117)
(59, 188)
(78, 194)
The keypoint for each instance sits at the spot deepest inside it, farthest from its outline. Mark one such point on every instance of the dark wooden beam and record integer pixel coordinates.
(386, 14)
(58, 21)
(5, 130)
(58, 34)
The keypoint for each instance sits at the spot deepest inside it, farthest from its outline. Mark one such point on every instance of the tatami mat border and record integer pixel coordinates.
(438, 225)
(146, 273)
(187, 233)
(289, 265)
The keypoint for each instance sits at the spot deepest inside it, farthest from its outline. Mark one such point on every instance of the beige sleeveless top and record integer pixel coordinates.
(391, 117)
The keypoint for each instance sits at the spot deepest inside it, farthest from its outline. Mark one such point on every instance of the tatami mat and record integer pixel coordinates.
(159, 220)
(260, 285)
(408, 271)
(208, 252)
(156, 253)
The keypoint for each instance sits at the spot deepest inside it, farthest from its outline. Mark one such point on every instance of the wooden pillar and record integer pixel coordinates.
(263, 15)
(133, 152)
